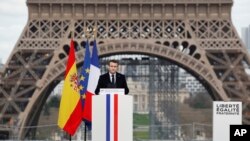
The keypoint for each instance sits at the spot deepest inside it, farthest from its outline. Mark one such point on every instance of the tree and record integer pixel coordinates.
(54, 102)
(201, 101)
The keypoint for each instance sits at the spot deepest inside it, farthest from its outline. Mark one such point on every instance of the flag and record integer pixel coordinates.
(70, 111)
(84, 77)
(93, 80)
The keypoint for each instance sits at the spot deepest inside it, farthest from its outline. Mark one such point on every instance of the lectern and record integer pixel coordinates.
(112, 116)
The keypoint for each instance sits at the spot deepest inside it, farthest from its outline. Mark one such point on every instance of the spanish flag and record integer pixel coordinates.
(70, 111)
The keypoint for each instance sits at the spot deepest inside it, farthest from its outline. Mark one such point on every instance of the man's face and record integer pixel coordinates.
(112, 67)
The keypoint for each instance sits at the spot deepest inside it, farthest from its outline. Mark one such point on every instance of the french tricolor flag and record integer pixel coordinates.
(112, 118)
(92, 83)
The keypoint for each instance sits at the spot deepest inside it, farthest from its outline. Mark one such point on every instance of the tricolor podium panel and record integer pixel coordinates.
(112, 118)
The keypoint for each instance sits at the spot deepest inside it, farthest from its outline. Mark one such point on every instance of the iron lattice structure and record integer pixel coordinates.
(197, 35)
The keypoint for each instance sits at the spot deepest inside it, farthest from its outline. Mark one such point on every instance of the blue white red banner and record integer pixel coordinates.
(112, 118)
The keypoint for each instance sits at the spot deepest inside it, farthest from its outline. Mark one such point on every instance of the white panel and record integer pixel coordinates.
(98, 118)
(125, 123)
(224, 115)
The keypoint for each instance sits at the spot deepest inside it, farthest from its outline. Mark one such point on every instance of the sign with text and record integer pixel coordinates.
(224, 115)
(239, 132)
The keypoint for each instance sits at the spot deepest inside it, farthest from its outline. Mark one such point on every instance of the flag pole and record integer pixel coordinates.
(85, 133)
(87, 35)
(72, 37)
(95, 33)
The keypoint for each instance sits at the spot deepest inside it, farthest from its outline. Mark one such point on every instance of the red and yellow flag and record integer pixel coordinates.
(70, 111)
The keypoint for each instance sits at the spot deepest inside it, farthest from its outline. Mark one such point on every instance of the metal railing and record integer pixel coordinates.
(182, 132)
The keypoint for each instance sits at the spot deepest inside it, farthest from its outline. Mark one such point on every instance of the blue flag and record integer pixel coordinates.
(84, 77)
(93, 80)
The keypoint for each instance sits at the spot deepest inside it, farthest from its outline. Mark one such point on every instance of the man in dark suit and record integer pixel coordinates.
(112, 79)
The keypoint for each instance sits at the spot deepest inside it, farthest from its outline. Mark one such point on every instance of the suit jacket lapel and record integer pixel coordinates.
(107, 76)
(118, 77)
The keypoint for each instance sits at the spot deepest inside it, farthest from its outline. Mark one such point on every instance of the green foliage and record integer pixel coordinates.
(54, 102)
(141, 135)
(46, 111)
(141, 119)
(201, 101)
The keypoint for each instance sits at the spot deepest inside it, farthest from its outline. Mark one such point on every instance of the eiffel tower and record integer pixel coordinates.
(196, 35)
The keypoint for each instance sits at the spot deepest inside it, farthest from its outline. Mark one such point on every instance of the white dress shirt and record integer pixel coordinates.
(110, 77)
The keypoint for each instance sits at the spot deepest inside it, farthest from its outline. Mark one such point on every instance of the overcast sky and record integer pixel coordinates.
(13, 15)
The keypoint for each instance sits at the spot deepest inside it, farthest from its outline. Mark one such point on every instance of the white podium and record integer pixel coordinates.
(112, 117)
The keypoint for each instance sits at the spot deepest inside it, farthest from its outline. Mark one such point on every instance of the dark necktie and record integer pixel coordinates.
(113, 79)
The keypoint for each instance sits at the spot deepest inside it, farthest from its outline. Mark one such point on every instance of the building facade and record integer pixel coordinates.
(245, 35)
(190, 83)
(1, 63)
(1, 67)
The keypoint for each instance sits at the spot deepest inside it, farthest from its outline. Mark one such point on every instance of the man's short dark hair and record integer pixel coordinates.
(113, 61)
